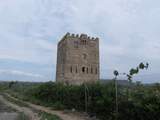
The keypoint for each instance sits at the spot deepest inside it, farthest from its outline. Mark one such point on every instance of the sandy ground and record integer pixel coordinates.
(8, 116)
(7, 113)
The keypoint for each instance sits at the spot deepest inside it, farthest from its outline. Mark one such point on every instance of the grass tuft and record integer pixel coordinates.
(47, 116)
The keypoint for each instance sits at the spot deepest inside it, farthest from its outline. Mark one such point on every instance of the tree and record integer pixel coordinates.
(132, 72)
(116, 73)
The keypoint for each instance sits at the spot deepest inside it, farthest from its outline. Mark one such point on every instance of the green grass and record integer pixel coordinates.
(18, 102)
(5, 108)
(47, 116)
(22, 116)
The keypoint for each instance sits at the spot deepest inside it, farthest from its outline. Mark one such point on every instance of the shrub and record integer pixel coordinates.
(144, 102)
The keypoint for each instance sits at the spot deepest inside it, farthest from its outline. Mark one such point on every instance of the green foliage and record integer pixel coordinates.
(144, 102)
(46, 116)
(137, 69)
(133, 71)
(58, 105)
(12, 83)
(115, 73)
(22, 116)
(3, 86)
(128, 103)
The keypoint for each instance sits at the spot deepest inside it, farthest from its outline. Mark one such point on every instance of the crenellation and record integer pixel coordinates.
(92, 38)
(97, 39)
(73, 35)
(83, 36)
(67, 34)
(77, 35)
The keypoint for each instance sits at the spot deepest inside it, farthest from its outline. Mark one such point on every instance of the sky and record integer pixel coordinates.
(129, 33)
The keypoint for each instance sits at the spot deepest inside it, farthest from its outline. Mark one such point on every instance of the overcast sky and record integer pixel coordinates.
(129, 32)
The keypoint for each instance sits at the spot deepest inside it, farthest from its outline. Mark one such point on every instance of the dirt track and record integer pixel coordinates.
(27, 111)
(7, 113)
(62, 114)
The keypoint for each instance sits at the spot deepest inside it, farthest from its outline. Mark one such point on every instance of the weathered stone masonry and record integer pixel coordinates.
(78, 59)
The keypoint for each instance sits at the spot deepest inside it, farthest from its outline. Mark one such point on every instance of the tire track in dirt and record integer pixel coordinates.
(27, 111)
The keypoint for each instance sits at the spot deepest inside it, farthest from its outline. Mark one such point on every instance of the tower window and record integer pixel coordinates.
(87, 70)
(71, 69)
(83, 42)
(83, 69)
(84, 56)
(95, 56)
(76, 44)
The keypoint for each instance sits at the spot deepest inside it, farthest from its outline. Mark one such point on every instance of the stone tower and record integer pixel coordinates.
(78, 59)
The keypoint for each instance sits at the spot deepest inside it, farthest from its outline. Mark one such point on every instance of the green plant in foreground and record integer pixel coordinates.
(116, 92)
(132, 72)
(47, 116)
(22, 116)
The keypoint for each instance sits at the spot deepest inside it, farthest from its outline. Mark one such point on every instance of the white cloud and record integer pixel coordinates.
(44, 44)
(20, 73)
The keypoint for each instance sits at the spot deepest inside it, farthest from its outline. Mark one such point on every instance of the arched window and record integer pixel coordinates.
(83, 69)
(71, 69)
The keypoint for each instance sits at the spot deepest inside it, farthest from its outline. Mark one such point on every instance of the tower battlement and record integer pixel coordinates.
(80, 36)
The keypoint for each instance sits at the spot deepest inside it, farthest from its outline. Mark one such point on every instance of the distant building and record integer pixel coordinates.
(78, 59)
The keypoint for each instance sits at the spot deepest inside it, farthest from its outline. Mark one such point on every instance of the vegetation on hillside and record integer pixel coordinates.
(143, 102)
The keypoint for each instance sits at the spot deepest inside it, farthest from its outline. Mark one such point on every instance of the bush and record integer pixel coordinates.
(142, 104)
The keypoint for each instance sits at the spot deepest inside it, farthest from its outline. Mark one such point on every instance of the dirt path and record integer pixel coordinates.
(62, 114)
(27, 111)
(7, 113)
(8, 116)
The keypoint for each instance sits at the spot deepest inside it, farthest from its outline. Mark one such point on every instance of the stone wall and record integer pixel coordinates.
(78, 59)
